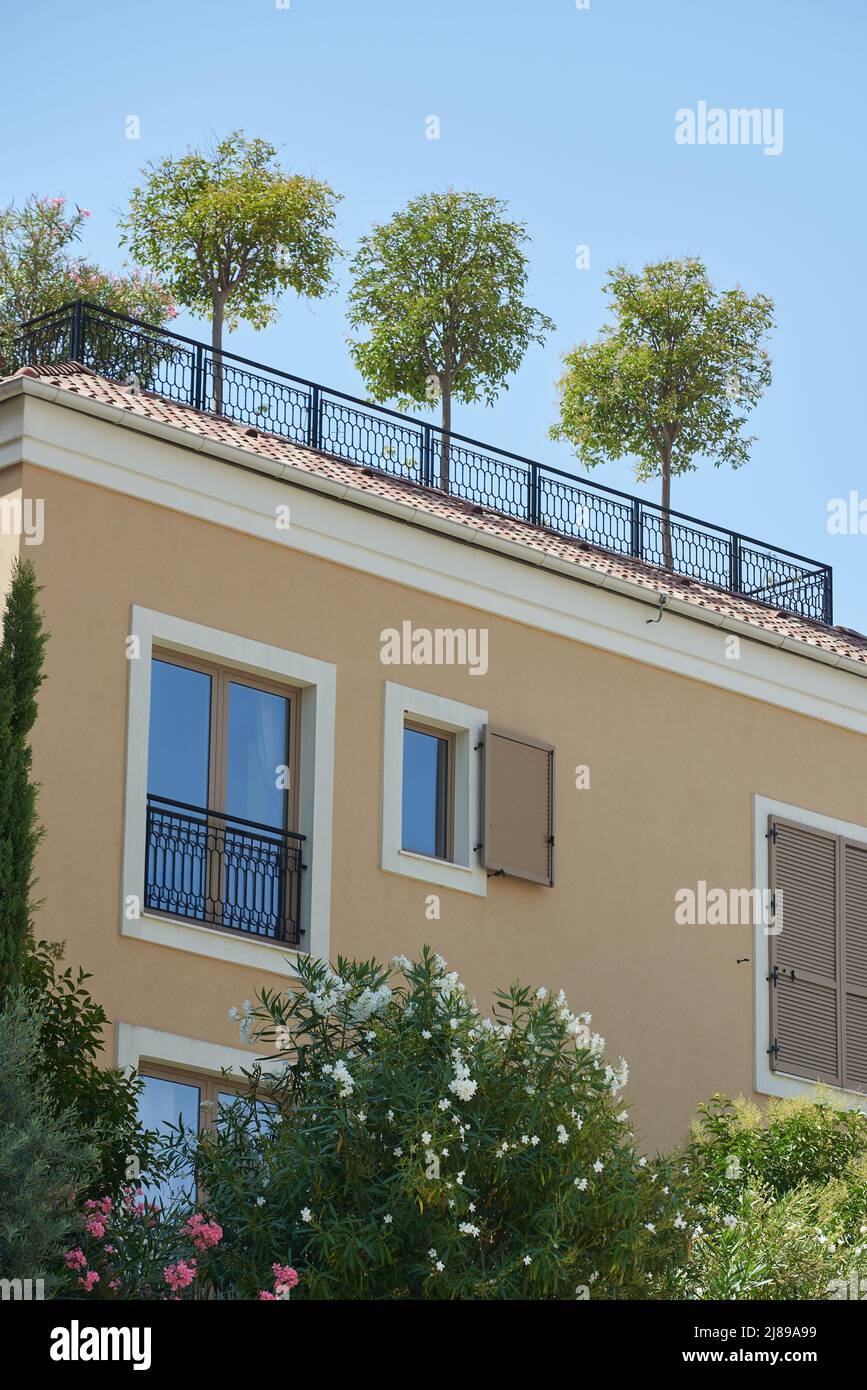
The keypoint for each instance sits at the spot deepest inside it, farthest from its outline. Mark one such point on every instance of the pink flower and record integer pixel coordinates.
(285, 1277)
(180, 1276)
(55, 202)
(109, 1250)
(203, 1233)
(114, 1283)
(90, 1279)
(95, 1227)
(85, 212)
(266, 1297)
(76, 1259)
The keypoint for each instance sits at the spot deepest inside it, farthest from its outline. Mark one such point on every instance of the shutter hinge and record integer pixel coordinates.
(477, 746)
(776, 974)
(773, 833)
(550, 839)
(497, 873)
(774, 1049)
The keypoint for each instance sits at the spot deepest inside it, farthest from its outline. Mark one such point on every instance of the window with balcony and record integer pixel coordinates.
(221, 844)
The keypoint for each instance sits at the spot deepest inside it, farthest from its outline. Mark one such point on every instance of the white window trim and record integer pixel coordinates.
(467, 723)
(136, 1047)
(317, 681)
(768, 1082)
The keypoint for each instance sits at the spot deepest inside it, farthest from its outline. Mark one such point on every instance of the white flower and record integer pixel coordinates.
(467, 1228)
(730, 1221)
(426, 1136)
(649, 1226)
(679, 1222)
(401, 962)
(390, 1115)
(306, 1214)
(444, 1104)
(260, 1201)
(598, 1166)
(642, 1162)
(439, 1266)
(432, 1253)
(387, 1220)
(398, 1152)
(341, 1075)
(562, 1135)
(234, 1014)
(472, 1206)
(426, 1034)
(541, 993)
(525, 1138)
(534, 1140)
(527, 1260)
(581, 1184)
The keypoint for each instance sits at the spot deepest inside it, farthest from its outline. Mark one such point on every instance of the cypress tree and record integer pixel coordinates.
(22, 652)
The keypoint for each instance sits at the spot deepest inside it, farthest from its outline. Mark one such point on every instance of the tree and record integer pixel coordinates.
(43, 1153)
(672, 378)
(21, 656)
(228, 230)
(441, 288)
(40, 271)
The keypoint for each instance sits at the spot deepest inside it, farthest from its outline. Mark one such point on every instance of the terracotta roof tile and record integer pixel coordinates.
(836, 641)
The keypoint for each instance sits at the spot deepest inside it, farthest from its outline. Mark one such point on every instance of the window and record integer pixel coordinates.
(817, 977)
(222, 847)
(518, 806)
(427, 784)
(199, 1103)
(431, 789)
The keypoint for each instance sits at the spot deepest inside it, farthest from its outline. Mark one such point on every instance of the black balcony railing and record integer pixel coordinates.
(223, 870)
(181, 369)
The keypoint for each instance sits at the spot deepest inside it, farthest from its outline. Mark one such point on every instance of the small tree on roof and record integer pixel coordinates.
(228, 230)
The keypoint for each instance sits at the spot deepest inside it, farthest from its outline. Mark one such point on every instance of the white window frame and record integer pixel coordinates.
(768, 1082)
(317, 682)
(466, 723)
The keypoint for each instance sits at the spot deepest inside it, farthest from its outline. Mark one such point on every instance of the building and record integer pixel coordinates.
(300, 698)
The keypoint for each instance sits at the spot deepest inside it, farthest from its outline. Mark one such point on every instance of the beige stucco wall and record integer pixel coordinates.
(674, 766)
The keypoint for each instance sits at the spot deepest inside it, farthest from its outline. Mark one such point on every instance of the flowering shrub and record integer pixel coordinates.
(408, 1147)
(781, 1201)
(131, 1248)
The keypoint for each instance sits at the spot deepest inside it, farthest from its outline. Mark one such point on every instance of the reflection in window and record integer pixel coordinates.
(180, 733)
(425, 792)
(162, 1104)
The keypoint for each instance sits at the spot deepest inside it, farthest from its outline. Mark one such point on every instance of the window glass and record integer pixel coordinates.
(163, 1103)
(180, 733)
(425, 793)
(258, 755)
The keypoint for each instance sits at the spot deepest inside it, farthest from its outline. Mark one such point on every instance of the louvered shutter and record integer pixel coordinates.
(806, 1023)
(854, 915)
(518, 814)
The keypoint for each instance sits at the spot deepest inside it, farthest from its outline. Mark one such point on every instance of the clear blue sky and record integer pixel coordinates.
(569, 115)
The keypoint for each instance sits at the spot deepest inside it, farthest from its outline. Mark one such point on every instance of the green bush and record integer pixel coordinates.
(780, 1201)
(414, 1149)
(103, 1100)
(43, 1156)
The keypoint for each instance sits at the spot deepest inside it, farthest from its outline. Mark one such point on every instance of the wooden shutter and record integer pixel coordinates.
(854, 914)
(518, 824)
(806, 1018)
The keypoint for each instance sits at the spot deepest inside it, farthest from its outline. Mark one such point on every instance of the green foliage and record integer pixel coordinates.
(21, 655)
(441, 289)
(781, 1200)
(40, 271)
(417, 1150)
(103, 1100)
(43, 1156)
(227, 230)
(673, 377)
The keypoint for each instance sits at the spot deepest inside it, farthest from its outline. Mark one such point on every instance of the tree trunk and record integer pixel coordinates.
(667, 555)
(216, 352)
(445, 449)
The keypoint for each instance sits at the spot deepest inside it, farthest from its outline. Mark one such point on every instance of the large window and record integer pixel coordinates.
(222, 799)
(427, 796)
(170, 1098)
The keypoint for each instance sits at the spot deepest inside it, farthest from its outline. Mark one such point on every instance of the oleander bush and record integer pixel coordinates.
(407, 1147)
(780, 1201)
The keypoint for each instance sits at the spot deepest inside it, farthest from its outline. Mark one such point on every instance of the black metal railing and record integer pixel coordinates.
(223, 870)
(181, 369)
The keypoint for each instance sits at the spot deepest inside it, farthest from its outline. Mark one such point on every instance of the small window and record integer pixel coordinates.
(428, 755)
